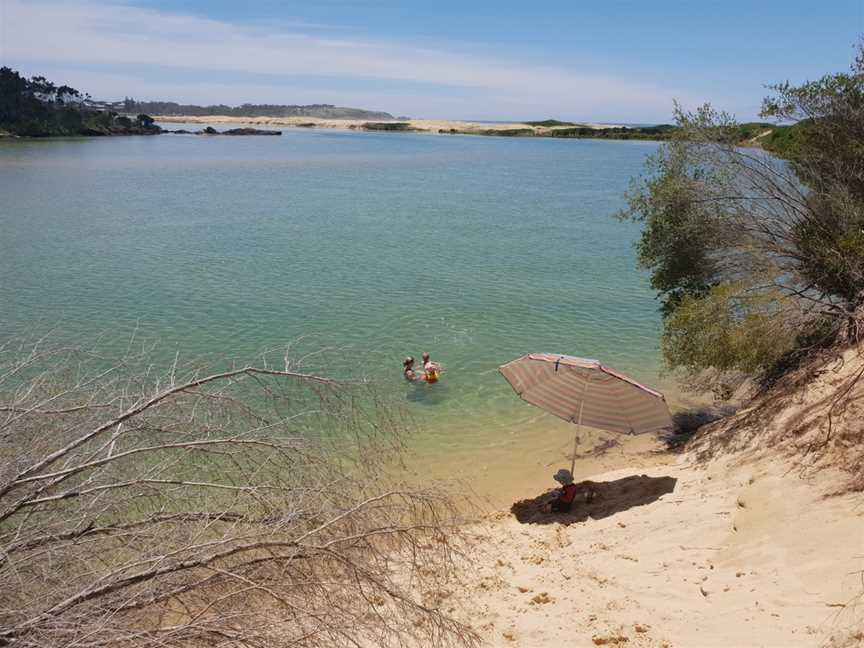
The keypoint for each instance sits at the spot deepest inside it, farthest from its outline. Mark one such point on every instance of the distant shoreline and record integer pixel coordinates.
(774, 138)
(427, 125)
(435, 126)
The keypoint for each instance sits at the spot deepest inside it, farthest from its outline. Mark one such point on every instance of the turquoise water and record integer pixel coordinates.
(477, 249)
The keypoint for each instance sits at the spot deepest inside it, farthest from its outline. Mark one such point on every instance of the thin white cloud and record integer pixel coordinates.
(57, 34)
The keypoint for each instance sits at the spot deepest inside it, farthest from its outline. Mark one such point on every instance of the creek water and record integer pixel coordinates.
(370, 245)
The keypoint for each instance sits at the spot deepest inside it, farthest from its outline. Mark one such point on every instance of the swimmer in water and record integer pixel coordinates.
(431, 370)
(408, 369)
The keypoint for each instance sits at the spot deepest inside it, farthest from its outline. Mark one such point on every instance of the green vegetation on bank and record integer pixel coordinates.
(772, 137)
(550, 123)
(783, 140)
(660, 132)
(37, 107)
(759, 261)
(553, 128)
(510, 132)
(387, 126)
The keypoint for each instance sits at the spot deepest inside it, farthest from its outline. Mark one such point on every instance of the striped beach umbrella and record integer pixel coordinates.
(585, 392)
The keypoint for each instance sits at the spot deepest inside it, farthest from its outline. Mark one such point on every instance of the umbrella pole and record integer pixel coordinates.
(575, 445)
(578, 430)
(576, 438)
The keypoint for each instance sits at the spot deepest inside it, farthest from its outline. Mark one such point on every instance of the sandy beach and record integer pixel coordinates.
(417, 125)
(740, 540)
(672, 555)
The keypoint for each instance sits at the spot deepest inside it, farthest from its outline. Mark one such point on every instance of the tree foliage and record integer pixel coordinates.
(36, 107)
(758, 259)
(677, 231)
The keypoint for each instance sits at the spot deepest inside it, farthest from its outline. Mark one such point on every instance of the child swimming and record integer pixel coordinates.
(408, 369)
(431, 370)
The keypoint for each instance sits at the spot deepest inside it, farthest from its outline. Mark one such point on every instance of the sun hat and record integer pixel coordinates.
(563, 476)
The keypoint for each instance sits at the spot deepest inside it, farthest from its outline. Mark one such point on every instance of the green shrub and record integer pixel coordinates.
(756, 259)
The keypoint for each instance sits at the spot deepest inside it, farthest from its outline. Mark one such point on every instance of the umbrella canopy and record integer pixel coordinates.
(585, 392)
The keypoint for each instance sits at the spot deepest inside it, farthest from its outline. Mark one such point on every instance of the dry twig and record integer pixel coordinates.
(247, 507)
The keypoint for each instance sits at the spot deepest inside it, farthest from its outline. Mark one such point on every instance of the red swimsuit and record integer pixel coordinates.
(564, 501)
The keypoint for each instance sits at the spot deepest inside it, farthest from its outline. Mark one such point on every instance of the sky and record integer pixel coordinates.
(605, 61)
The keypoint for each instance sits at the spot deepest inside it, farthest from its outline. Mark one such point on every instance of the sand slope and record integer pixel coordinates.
(814, 417)
(681, 556)
(753, 537)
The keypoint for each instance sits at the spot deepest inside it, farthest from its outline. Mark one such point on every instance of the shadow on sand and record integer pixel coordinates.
(597, 500)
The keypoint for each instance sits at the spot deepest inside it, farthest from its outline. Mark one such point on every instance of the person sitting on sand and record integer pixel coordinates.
(431, 370)
(565, 495)
(408, 369)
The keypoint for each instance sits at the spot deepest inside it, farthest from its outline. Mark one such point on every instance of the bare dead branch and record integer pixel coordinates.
(243, 507)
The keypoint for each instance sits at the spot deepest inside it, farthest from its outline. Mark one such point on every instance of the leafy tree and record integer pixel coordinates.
(38, 108)
(66, 91)
(758, 260)
(13, 100)
(42, 85)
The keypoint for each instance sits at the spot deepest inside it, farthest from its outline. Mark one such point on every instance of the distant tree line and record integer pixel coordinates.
(36, 107)
(659, 132)
(779, 139)
(776, 138)
(252, 110)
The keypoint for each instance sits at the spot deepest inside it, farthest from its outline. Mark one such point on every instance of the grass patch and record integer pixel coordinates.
(389, 126)
(550, 123)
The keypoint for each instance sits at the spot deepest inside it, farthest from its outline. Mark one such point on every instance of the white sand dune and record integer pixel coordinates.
(419, 125)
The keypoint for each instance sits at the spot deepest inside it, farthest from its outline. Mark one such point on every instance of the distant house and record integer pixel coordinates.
(91, 104)
(65, 98)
